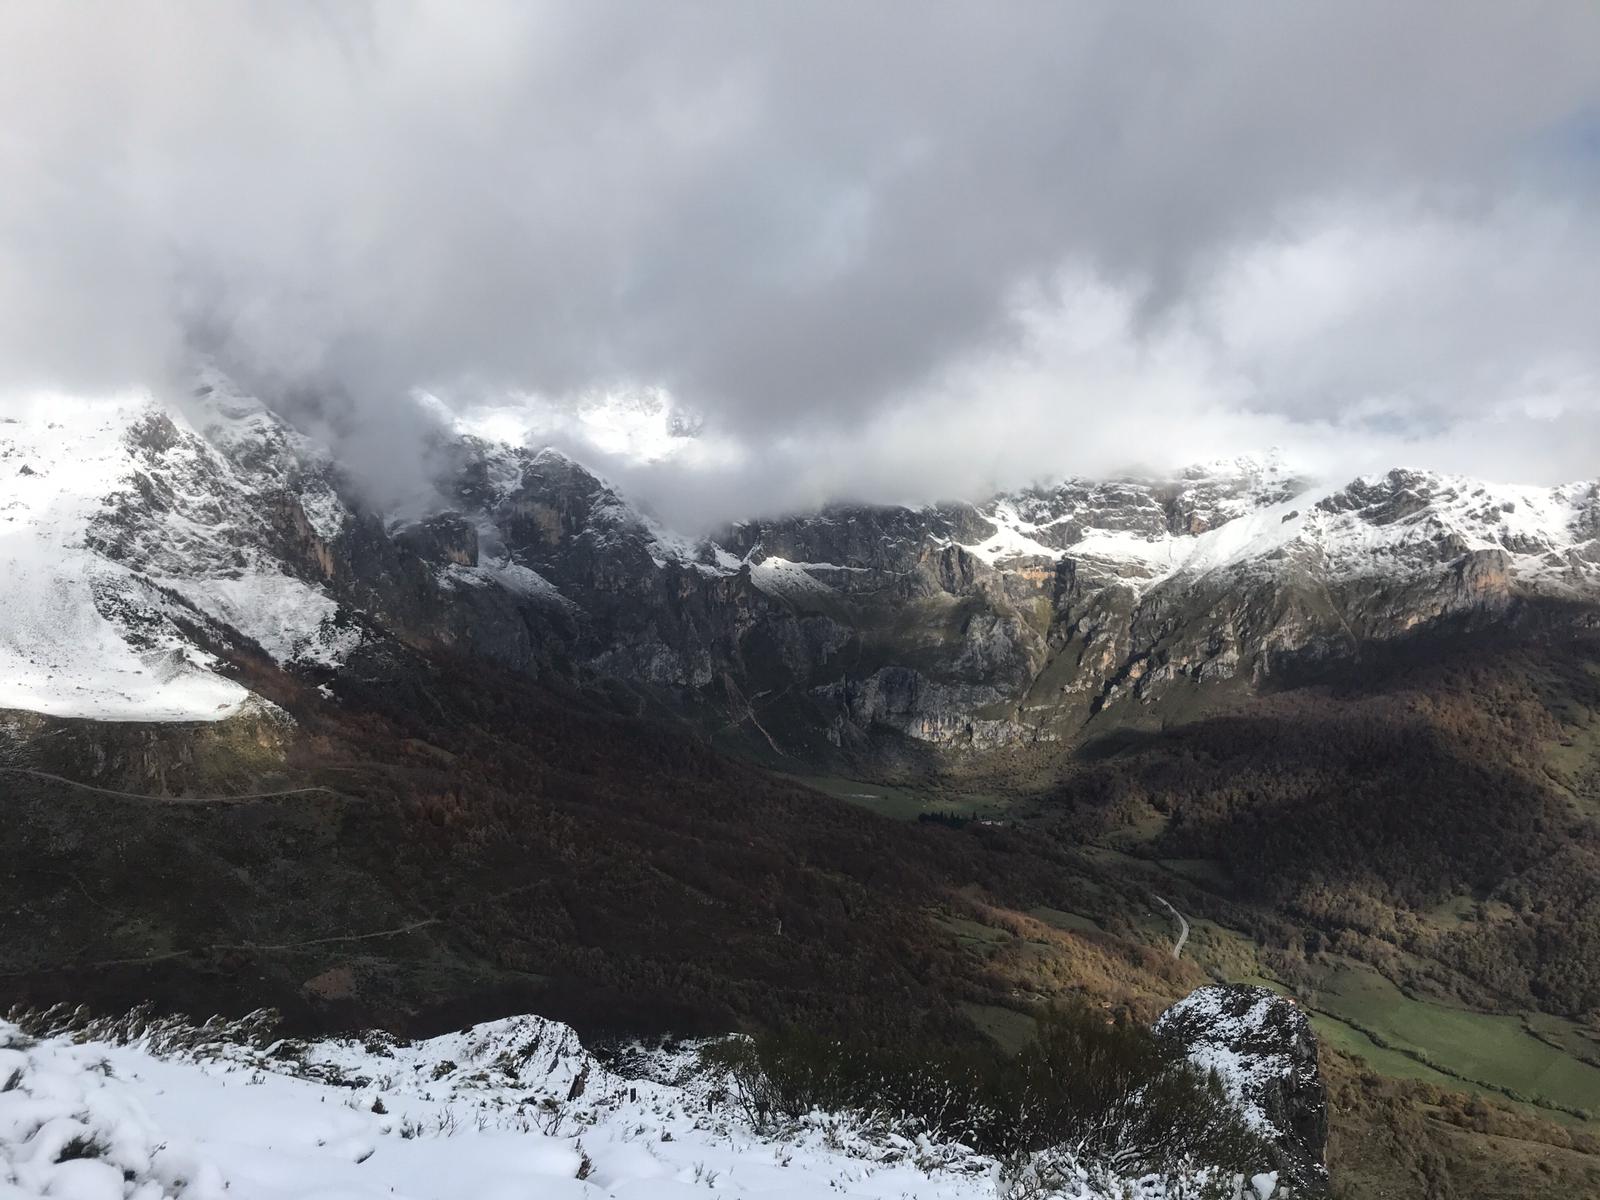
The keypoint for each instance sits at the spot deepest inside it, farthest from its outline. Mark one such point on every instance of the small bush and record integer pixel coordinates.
(1112, 1092)
(82, 1145)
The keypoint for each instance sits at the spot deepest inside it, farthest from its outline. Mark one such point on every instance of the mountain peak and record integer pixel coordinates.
(133, 523)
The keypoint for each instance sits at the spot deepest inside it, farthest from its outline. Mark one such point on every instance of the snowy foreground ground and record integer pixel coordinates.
(511, 1110)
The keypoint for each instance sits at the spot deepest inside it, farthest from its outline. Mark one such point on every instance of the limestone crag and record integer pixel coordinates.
(1016, 620)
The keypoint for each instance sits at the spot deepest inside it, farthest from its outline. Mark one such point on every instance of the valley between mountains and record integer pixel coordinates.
(522, 749)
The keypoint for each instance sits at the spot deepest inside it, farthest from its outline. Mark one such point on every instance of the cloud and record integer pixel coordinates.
(884, 251)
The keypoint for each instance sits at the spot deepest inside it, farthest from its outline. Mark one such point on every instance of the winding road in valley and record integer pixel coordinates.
(112, 792)
(1183, 927)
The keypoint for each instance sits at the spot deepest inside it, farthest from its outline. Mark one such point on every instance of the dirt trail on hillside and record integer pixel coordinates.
(119, 795)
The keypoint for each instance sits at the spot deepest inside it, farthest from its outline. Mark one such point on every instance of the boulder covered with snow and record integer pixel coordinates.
(1261, 1046)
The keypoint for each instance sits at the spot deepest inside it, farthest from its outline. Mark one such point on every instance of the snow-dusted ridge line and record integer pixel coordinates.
(125, 520)
(510, 1108)
(1549, 535)
(1261, 513)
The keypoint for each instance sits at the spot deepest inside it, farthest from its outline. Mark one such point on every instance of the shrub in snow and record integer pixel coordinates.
(139, 1108)
(160, 1035)
(1110, 1094)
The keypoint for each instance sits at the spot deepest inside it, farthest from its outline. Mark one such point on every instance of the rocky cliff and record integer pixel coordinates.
(1262, 1049)
(152, 546)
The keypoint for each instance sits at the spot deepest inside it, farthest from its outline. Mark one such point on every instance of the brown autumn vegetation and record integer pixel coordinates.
(488, 844)
(484, 843)
(1354, 812)
(1037, 962)
(1396, 1137)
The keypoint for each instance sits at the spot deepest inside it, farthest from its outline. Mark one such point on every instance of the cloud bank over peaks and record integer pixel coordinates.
(890, 251)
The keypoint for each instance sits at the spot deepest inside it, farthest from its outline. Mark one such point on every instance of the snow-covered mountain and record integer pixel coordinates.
(1253, 513)
(145, 546)
(122, 529)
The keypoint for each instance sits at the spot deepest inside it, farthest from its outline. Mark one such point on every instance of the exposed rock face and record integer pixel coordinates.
(443, 540)
(1009, 622)
(1261, 1046)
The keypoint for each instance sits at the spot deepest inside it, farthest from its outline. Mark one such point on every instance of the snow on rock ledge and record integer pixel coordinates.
(1261, 1046)
(138, 1109)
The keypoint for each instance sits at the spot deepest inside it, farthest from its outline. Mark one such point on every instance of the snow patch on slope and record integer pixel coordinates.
(1262, 1050)
(1244, 1075)
(245, 431)
(288, 618)
(59, 653)
(1390, 525)
(523, 582)
(1013, 537)
(120, 524)
(514, 1107)
(792, 580)
(1549, 535)
(70, 1128)
(666, 546)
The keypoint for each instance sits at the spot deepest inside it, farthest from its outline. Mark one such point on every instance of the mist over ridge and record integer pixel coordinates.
(885, 254)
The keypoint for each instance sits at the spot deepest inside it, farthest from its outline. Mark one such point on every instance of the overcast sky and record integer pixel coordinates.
(886, 250)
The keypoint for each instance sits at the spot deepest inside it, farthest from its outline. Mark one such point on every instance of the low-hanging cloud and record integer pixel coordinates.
(888, 251)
